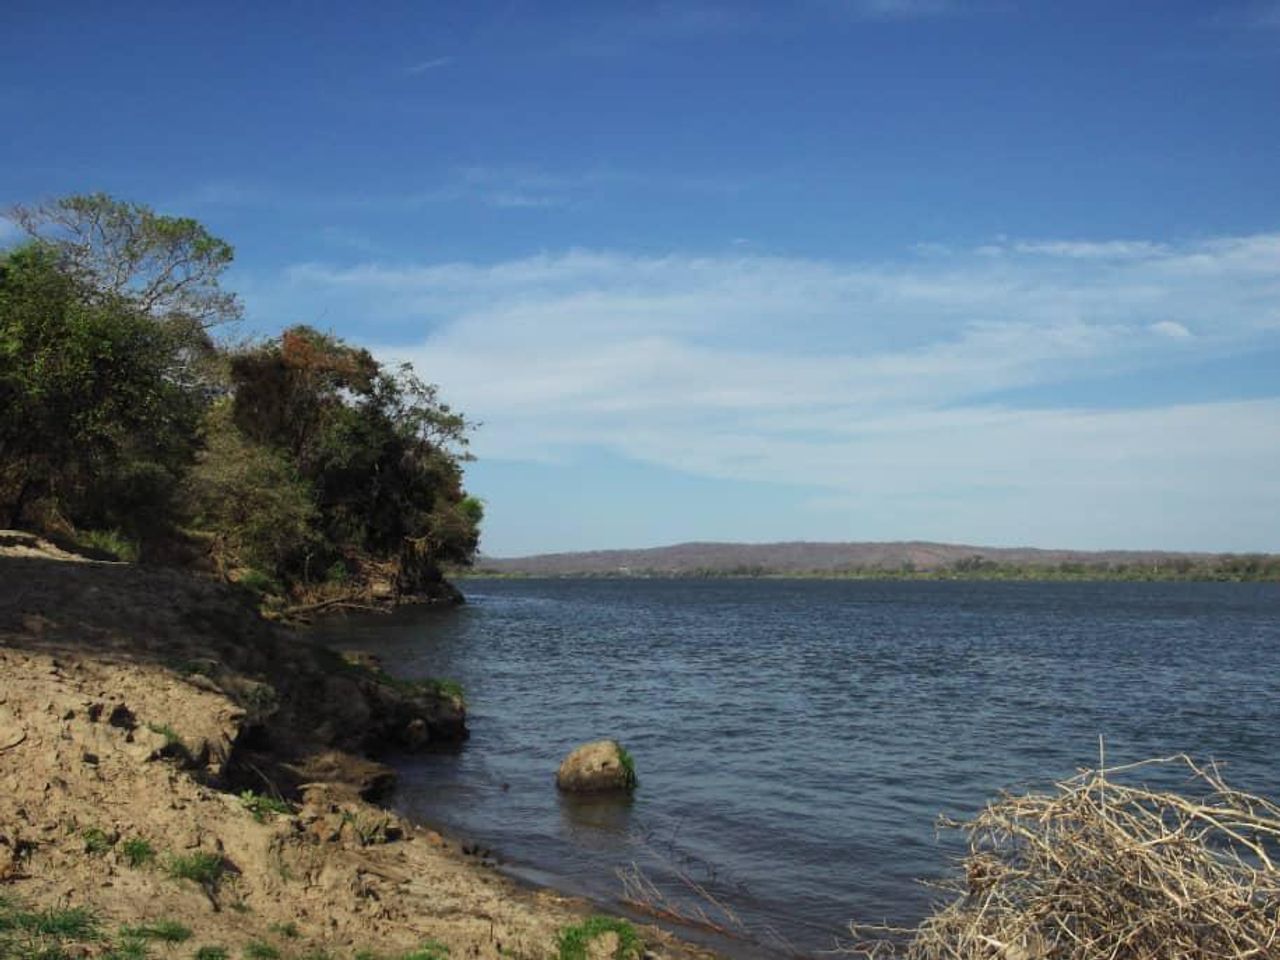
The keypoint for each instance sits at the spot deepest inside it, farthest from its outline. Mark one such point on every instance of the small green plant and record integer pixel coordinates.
(260, 805)
(165, 931)
(111, 542)
(211, 953)
(67, 923)
(337, 573)
(96, 841)
(138, 852)
(446, 687)
(204, 868)
(572, 942)
(430, 950)
(628, 765)
(289, 930)
(128, 948)
(171, 738)
(260, 950)
(259, 582)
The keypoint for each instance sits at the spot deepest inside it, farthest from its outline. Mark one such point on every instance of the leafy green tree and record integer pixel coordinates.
(380, 451)
(94, 419)
(251, 499)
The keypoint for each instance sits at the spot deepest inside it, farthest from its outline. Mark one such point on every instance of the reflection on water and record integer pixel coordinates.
(796, 740)
(601, 821)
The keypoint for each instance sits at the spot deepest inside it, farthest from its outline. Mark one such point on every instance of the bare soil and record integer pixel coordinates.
(137, 704)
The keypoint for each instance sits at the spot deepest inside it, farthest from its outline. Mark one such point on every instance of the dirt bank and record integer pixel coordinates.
(136, 707)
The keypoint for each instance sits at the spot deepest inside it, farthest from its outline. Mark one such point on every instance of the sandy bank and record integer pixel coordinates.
(135, 707)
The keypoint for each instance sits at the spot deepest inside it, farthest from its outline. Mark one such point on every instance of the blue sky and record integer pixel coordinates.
(999, 272)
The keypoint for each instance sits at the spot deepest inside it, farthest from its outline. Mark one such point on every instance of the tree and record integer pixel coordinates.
(379, 450)
(170, 267)
(94, 418)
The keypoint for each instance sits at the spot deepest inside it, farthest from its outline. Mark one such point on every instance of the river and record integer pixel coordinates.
(796, 740)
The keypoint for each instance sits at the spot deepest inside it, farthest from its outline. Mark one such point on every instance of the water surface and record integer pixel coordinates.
(796, 740)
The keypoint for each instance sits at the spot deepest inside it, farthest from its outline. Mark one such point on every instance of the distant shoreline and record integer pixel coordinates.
(1006, 576)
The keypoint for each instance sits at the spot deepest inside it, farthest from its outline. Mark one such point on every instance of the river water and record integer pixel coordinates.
(796, 740)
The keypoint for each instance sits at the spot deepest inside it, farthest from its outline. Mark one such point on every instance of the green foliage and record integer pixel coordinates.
(165, 931)
(171, 738)
(128, 948)
(429, 950)
(210, 952)
(66, 923)
(572, 942)
(377, 456)
(260, 805)
(96, 841)
(300, 460)
(94, 420)
(260, 950)
(203, 868)
(262, 510)
(111, 542)
(138, 852)
(628, 765)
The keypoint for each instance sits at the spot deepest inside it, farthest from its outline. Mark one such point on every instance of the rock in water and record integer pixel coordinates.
(598, 767)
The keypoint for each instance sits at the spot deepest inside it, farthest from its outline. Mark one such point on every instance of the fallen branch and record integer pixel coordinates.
(1108, 868)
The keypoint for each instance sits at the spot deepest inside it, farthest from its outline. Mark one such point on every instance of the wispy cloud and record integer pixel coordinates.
(423, 66)
(1171, 329)
(866, 380)
(869, 381)
(896, 9)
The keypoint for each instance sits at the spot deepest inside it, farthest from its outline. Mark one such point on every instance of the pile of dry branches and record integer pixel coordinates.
(1107, 868)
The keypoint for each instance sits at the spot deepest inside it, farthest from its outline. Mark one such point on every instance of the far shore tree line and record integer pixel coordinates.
(131, 422)
(1225, 567)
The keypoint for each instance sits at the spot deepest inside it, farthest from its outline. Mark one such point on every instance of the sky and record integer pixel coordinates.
(1002, 273)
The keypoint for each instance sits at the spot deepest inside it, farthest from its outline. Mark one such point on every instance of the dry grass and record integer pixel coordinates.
(1105, 868)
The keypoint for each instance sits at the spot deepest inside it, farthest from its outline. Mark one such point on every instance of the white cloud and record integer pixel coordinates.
(866, 380)
(423, 66)
(1171, 329)
(1086, 250)
(899, 9)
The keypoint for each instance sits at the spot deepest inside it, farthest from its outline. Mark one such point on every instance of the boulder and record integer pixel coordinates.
(599, 767)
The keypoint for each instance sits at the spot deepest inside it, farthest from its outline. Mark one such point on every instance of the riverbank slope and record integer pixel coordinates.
(171, 761)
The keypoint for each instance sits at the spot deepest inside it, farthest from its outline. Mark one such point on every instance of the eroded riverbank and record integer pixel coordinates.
(136, 708)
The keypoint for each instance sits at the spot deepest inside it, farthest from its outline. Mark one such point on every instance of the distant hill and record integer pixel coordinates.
(900, 558)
